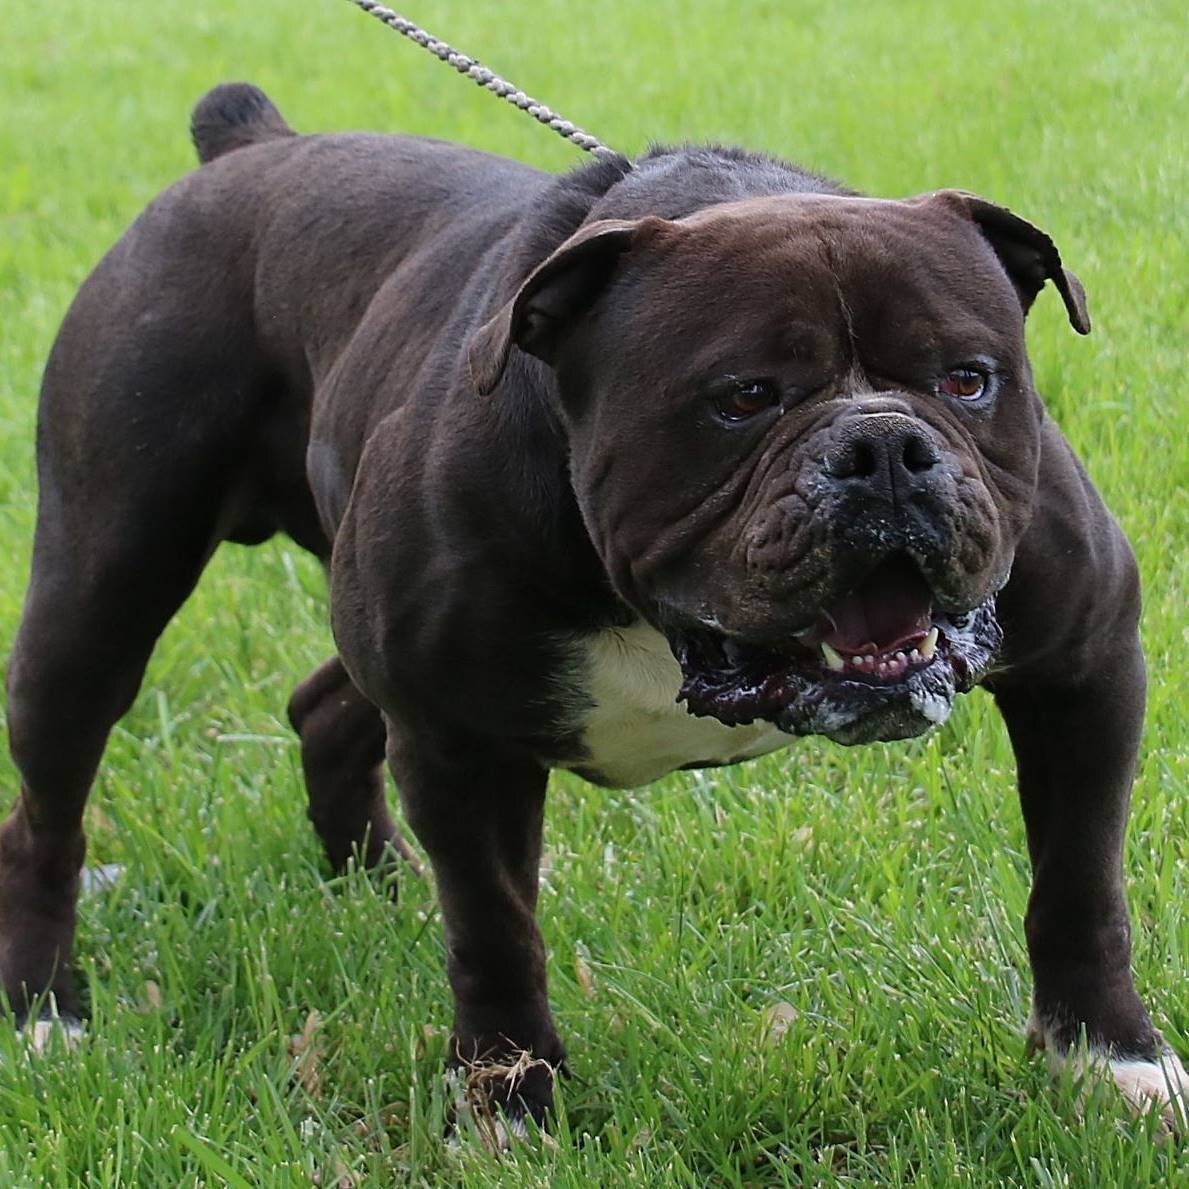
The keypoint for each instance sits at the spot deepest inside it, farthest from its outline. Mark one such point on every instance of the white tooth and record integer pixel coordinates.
(856, 660)
(929, 645)
(901, 659)
(833, 661)
(804, 632)
(914, 656)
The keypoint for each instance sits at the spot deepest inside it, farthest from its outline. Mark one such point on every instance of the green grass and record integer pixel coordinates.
(877, 893)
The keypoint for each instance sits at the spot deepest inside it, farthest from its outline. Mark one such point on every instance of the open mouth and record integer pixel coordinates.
(882, 662)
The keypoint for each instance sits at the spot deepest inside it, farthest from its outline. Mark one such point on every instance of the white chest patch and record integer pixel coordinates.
(636, 731)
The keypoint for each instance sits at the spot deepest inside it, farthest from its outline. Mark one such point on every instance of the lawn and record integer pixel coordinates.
(808, 969)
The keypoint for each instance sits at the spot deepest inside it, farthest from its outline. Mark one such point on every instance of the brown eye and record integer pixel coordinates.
(965, 383)
(739, 400)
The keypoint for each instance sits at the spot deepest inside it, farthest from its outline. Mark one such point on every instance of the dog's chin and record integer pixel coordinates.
(898, 683)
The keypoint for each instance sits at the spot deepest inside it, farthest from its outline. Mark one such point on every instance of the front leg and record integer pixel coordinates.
(1075, 747)
(479, 815)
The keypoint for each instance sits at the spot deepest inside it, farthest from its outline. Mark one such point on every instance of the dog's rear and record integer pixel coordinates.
(231, 116)
(149, 421)
(175, 412)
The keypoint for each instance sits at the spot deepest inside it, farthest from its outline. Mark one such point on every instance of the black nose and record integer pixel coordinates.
(888, 454)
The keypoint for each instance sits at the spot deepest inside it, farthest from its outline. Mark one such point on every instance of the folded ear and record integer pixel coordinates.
(1027, 254)
(555, 293)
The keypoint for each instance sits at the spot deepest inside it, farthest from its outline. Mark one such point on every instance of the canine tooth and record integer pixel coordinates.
(833, 661)
(929, 645)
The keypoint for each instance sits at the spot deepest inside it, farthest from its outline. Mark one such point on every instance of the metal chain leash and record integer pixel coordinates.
(487, 78)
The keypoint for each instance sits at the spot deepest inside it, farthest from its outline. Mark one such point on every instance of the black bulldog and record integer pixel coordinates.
(652, 465)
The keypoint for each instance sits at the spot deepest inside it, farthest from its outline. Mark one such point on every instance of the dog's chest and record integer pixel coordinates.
(632, 727)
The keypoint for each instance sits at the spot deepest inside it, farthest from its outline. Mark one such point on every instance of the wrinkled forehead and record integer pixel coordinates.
(845, 235)
(835, 223)
(868, 267)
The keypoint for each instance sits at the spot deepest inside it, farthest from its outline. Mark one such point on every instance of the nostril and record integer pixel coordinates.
(853, 459)
(919, 454)
(866, 459)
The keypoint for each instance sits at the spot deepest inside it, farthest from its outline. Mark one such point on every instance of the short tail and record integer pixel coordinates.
(231, 116)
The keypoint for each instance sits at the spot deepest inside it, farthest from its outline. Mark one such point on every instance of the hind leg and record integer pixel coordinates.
(145, 449)
(342, 756)
(97, 601)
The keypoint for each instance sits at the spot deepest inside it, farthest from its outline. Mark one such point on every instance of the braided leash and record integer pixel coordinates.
(486, 78)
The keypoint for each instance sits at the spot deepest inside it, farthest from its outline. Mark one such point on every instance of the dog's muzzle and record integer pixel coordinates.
(883, 662)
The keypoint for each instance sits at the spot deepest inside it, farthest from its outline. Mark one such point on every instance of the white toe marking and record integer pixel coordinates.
(1162, 1084)
(100, 879)
(506, 1130)
(41, 1033)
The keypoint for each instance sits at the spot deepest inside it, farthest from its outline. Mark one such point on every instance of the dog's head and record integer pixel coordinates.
(804, 440)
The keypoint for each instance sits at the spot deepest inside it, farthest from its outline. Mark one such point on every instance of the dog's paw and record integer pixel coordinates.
(49, 1032)
(1160, 1084)
(94, 880)
(494, 1101)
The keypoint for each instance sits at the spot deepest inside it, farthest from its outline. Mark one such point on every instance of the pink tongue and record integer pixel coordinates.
(891, 606)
